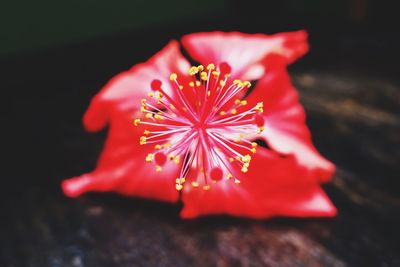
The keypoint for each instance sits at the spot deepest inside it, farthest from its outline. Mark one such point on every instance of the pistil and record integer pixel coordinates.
(202, 123)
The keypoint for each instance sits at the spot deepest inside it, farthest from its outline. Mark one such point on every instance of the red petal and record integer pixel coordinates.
(245, 53)
(285, 127)
(127, 88)
(274, 186)
(122, 167)
(312, 202)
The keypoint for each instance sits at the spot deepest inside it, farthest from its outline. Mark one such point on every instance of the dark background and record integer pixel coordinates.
(54, 56)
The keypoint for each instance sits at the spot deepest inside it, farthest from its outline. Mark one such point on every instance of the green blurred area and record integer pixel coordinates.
(30, 24)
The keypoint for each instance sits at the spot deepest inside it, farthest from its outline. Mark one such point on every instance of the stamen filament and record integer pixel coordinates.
(190, 124)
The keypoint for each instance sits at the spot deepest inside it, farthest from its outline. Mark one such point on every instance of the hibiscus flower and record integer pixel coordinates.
(193, 132)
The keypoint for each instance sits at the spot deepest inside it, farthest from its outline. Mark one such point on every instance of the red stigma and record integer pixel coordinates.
(259, 120)
(156, 85)
(160, 158)
(225, 68)
(216, 174)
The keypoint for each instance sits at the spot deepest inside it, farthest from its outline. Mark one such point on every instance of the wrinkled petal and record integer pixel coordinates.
(248, 54)
(285, 127)
(127, 88)
(274, 186)
(122, 167)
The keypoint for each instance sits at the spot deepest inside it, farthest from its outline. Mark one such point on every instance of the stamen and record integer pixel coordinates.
(149, 157)
(200, 122)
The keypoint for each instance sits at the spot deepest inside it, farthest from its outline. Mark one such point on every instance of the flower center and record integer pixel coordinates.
(202, 125)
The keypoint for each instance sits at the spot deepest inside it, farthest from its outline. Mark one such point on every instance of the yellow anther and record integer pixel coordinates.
(259, 106)
(149, 157)
(261, 130)
(204, 76)
(167, 145)
(237, 101)
(157, 117)
(195, 184)
(253, 150)
(246, 158)
(146, 132)
(254, 144)
(210, 66)
(215, 73)
(243, 102)
(206, 187)
(237, 181)
(158, 168)
(198, 83)
(171, 106)
(234, 111)
(177, 159)
(143, 109)
(178, 187)
(246, 84)
(173, 76)
(238, 83)
(150, 94)
(136, 122)
(244, 169)
(158, 147)
(171, 157)
(247, 164)
(200, 67)
(143, 101)
(191, 84)
(149, 115)
(208, 93)
(142, 140)
(222, 113)
(237, 157)
(231, 159)
(193, 71)
(230, 176)
(180, 87)
(222, 83)
(180, 180)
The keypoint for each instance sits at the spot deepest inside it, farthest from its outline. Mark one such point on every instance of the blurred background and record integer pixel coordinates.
(55, 55)
(349, 29)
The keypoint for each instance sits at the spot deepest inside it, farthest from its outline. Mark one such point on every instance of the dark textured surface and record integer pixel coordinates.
(353, 106)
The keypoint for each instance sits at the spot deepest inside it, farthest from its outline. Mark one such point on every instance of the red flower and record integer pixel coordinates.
(196, 130)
